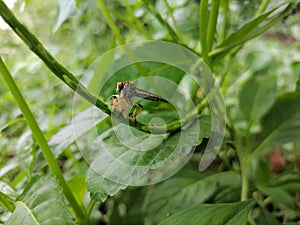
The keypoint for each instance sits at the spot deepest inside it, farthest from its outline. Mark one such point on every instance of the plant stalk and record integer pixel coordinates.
(263, 5)
(6, 203)
(110, 22)
(40, 138)
(61, 72)
(212, 24)
(203, 28)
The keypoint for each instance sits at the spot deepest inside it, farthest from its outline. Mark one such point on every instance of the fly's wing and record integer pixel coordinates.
(148, 95)
(121, 106)
(127, 109)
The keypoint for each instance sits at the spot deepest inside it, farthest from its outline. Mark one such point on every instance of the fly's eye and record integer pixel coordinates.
(119, 86)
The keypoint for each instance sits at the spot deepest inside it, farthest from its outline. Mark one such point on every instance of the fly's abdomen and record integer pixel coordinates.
(148, 95)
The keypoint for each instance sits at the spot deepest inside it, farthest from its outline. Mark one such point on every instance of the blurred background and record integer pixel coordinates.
(76, 33)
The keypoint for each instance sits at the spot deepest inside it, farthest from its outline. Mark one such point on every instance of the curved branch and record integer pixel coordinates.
(60, 71)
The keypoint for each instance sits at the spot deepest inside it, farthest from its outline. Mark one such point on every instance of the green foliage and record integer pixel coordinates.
(40, 201)
(256, 97)
(250, 54)
(185, 189)
(226, 213)
(281, 124)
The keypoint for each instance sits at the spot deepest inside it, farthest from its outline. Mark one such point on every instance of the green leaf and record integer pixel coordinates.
(280, 196)
(79, 187)
(7, 197)
(128, 207)
(100, 187)
(6, 189)
(262, 172)
(126, 156)
(81, 124)
(26, 151)
(290, 182)
(257, 96)
(183, 191)
(281, 125)
(298, 85)
(41, 203)
(238, 37)
(266, 218)
(250, 30)
(66, 7)
(231, 193)
(217, 214)
(205, 127)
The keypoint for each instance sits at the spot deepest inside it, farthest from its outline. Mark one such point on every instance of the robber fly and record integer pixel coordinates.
(122, 102)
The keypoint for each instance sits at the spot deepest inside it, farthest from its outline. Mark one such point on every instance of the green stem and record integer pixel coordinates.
(109, 20)
(119, 36)
(6, 203)
(212, 24)
(245, 182)
(170, 11)
(251, 220)
(40, 138)
(61, 72)
(163, 22)
(136, 22)
(203, 29)
(243, 166)
(243, 163)
(90, 207)
(263, 5)
(224, 22)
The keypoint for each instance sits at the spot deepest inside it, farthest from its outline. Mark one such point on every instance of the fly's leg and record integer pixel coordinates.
(137, 109)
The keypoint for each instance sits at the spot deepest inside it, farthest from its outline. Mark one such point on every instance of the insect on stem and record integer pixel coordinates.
(122, 102)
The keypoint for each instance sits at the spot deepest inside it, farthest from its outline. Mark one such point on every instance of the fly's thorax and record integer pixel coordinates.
(127, 89)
